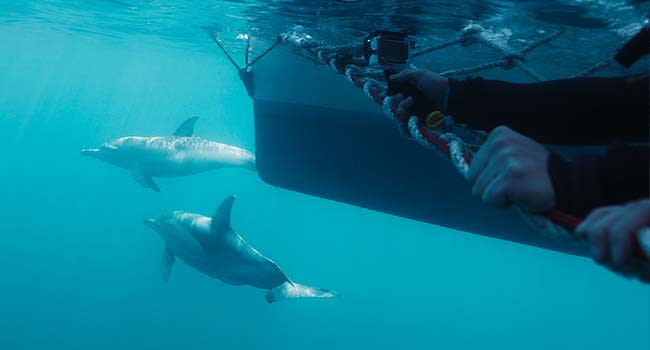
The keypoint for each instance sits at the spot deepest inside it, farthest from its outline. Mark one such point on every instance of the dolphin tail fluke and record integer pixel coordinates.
(289, 290)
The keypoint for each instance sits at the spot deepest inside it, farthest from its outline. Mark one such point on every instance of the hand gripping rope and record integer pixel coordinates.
(555, 224)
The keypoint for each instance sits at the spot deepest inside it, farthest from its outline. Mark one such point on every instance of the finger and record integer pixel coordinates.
(599, 236)
(643, 240)
(632, 218)
(485, 153)
(587, 224)
(593, 233)
(395, 100)
(486, 176)
(405, 76)
(621, 243)
(621, 235)
(479, 162)
(598, 241)
(496, 193)
(405, 109)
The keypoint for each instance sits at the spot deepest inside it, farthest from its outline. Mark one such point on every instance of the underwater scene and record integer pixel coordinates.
(139, 210)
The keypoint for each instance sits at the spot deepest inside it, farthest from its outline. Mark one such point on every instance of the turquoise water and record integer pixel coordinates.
(80, 270)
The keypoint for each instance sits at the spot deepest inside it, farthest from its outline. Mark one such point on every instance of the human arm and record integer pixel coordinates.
(578, 111)
(513, 169)
(588, 181)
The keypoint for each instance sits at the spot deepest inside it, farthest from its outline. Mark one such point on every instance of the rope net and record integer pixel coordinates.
(447, 140)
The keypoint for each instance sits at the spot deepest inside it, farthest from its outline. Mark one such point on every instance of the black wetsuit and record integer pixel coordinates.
(580, 111)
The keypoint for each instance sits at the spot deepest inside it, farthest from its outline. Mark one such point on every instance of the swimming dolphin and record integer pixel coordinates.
(170, 156)
(210, 246)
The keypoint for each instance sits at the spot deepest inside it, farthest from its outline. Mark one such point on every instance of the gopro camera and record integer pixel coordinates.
(383, 48)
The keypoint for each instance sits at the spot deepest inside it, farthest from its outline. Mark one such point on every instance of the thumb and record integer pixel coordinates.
(405, 76)
(644, 241)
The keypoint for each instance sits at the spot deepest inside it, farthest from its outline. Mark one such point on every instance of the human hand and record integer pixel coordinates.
(613, 234)
(512, 169)
(419, 92)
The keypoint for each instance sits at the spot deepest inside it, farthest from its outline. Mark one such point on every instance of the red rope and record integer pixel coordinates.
(563, 219)
(435, 140)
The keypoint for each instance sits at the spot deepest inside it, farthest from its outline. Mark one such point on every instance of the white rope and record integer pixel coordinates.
(542, 41)
(601, 65)
(531, 73)
(436, 47)
(388, 110)
(475, 33)
(413, 128)
(474, 69)
(351, 70)
(457, 152)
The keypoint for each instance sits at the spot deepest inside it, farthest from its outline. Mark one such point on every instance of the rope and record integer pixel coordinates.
(266, 52)
(602, 65)
(232, 61)
(248, 50)
(474, 69)
(476, 34)
(310, 48)
(436, 47)
(555, 224)
(542, 41)
(247, 53)
(531, 73)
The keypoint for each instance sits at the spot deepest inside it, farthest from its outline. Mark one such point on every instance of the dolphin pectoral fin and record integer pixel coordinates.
(221, 217)
(166, 263)
(187, 128)
(152, 184)
(139, 177)
(143, 179)
(292, 290)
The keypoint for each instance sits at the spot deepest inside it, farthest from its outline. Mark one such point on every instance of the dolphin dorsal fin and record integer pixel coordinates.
(187, 128)
(221, 218)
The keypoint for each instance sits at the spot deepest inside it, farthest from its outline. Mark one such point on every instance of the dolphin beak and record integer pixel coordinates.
(90, 151)
(151, 223)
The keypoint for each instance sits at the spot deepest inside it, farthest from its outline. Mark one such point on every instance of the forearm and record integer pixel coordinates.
(589, 181)
(570, 111)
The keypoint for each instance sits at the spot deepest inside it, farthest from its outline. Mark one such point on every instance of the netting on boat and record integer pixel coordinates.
(445, 138)
(308, 47)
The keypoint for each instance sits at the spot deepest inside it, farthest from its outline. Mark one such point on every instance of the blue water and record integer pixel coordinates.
(79, 270)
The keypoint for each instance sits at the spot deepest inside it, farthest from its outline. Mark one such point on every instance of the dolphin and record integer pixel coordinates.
(211, 246)
(170, 156)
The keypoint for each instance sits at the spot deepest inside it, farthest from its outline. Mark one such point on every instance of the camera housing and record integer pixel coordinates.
(385, 48)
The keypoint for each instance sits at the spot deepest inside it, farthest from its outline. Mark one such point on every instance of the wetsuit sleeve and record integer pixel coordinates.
(578, 111)
(587, 182)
